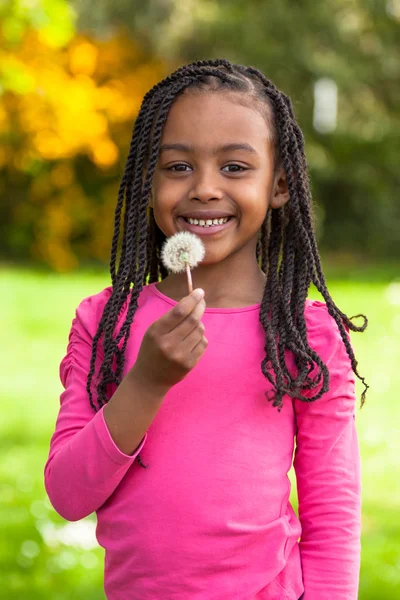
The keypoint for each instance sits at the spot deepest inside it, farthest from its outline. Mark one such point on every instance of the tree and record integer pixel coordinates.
(353, 42)
(67, 107)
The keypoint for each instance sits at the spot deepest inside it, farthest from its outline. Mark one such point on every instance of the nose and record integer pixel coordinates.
(206, 186)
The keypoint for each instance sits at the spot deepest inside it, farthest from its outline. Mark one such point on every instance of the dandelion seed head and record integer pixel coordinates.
(181, 248)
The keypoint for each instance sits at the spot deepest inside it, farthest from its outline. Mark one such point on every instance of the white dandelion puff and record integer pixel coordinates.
(182, 251)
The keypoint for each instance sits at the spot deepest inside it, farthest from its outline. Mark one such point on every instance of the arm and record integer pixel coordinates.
(91, 452)
(328, 472)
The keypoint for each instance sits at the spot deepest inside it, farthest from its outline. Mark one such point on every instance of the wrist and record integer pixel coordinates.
(146, 385)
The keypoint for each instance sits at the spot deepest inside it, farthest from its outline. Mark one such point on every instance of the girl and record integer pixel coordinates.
(165, 429)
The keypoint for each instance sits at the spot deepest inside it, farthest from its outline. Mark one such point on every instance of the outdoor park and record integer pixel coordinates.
(71, 83)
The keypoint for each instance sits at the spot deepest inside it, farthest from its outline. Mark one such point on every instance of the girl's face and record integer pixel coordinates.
(216, 154)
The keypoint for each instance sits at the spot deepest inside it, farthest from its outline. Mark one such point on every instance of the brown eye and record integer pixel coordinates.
(178, 168)
(236, 168)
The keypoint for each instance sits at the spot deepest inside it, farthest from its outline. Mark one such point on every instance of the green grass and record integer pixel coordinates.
(37, 559)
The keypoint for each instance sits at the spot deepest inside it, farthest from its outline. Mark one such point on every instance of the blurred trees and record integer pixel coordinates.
(68, 101)
(67, 108)
(354, 168)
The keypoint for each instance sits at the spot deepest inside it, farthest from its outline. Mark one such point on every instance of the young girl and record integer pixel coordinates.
(180, 412)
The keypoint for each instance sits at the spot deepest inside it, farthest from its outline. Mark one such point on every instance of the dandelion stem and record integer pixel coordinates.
(189, 276)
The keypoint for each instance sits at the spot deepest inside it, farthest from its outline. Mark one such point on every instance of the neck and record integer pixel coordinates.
(224, 286)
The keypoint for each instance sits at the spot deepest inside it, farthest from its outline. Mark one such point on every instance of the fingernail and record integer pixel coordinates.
(198, 294)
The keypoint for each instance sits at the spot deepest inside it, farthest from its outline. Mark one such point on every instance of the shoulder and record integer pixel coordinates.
(89, 311)
(323, 333)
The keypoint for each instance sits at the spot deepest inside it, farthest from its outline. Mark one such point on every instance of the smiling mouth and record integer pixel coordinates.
(206, 229)
(207, 222)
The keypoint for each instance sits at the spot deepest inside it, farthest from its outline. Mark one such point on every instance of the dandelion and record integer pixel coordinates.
(184, 250)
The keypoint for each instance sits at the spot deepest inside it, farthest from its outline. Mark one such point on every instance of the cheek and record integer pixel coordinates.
(253, 196)
(167, 189)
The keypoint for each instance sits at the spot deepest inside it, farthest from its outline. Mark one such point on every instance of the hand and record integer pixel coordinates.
(172, 345)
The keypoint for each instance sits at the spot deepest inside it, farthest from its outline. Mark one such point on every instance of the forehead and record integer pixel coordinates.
(208, 118)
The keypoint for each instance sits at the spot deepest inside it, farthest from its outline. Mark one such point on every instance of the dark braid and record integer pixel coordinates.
(286, 249)
(294, 160)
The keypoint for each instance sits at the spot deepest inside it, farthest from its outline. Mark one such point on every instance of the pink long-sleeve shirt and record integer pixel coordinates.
(210, 518)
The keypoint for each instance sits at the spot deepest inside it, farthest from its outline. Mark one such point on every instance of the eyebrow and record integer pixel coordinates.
(217, 150)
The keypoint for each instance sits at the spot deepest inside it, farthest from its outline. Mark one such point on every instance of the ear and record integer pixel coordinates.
(280, 191)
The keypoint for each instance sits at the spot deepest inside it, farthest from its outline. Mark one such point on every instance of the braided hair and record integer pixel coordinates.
(286, 250)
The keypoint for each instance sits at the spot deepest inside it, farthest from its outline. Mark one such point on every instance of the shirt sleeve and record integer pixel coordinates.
(84, 465)
(328, 470)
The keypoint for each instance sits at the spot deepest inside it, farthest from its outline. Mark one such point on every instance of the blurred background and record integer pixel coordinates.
(72, 77)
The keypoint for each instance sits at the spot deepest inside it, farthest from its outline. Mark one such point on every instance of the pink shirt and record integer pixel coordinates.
(210, 518)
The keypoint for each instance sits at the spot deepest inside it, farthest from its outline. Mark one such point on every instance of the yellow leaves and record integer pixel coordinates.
(62, 175)
(55, 21)
(120, 101)
(64, 109)
(59, 220)
(57, 257)
(66, 116)
(71, 124)
(15, 76)
(12, 29)
(53, 230)
(47, 144)
(105, 153)
(3, 119)
(83, 58)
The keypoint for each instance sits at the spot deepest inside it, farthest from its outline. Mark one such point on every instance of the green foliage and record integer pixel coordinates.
(354, 168)
(61, 154)
(53, 19)
(37, 559)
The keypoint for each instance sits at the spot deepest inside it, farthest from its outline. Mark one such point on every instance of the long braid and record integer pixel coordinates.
(294, 160)
(286, 249)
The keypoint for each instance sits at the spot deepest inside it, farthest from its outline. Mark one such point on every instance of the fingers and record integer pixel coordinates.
(189, 335)
(190, 349)
(193, 321)
(182, 311)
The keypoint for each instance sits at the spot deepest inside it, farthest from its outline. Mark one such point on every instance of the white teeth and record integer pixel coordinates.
(209, 222)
